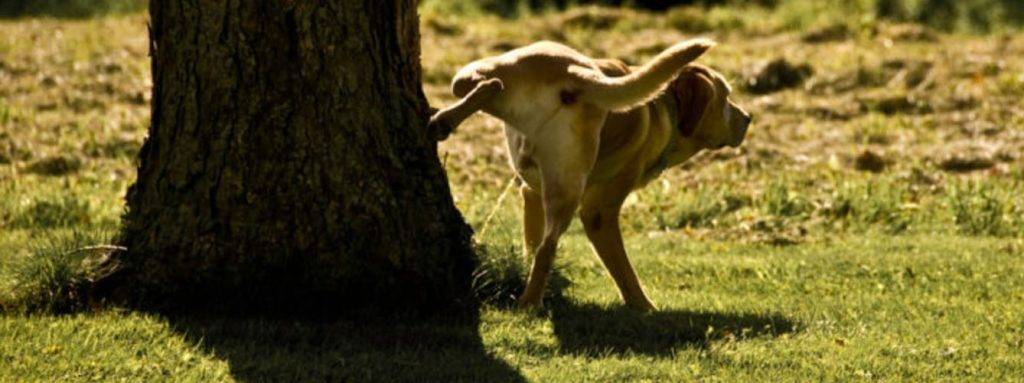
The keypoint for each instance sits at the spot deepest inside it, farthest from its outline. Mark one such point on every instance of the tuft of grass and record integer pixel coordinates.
(701, 208)
(12, 151)
(982, 209)
(46, 212)
(54, 277)
(782, 201)
(500, 275)
(1011, 84)
(871, 203)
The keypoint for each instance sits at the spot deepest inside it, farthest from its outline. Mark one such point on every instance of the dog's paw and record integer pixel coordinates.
(644, 306)
(491, 86)
(529, 304)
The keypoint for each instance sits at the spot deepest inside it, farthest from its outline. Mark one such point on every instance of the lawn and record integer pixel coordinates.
(870, 228)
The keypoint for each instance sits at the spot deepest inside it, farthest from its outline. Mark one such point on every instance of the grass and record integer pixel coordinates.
(909, 308)
(69, 8)
(776, 261)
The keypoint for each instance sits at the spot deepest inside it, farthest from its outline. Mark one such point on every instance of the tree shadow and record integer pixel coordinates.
(359, 348)
(594, 330)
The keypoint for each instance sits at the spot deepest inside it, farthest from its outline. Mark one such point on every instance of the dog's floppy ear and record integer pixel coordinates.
(693, 92)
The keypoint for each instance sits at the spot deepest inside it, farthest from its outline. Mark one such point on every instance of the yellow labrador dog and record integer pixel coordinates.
(584, 133)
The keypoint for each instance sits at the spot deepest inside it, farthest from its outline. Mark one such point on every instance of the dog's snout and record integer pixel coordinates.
(747, 116)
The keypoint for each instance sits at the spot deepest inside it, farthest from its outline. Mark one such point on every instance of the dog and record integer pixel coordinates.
(584, 133)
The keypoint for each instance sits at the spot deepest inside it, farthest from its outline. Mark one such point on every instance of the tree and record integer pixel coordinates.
(288, 158)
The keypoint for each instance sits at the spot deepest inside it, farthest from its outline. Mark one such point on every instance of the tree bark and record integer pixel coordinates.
(288, 159)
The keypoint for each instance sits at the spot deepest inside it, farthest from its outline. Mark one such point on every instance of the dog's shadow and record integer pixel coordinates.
(595, 330)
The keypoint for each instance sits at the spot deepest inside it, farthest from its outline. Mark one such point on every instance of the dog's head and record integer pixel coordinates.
(706, 114)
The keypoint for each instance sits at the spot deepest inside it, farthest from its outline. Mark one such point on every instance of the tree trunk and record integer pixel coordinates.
(288, 159)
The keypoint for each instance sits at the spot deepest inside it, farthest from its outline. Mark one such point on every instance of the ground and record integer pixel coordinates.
(870, 228)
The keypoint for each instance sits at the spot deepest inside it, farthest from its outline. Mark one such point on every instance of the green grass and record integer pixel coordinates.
(906, 308)
(778, 261)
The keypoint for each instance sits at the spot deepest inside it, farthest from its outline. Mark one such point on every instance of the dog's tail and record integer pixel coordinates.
(643, 84)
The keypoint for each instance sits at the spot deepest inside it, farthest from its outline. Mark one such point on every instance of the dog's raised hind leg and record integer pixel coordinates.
(444, 121)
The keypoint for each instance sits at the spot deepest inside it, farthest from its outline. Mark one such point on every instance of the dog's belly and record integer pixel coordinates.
(630, 141)
(520, 155)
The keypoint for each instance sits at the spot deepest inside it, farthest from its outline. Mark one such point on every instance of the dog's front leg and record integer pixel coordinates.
(560, 201)
(600, 217)
(564, 169)
(533, 220)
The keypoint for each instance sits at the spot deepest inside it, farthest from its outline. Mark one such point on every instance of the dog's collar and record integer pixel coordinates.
(673, 112)
(662, 163)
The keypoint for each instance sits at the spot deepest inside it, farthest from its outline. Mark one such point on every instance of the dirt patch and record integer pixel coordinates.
(56, 166)
(776, 231)
(870, 161)
(777, 75)
(592, 18)
(966, 163)
(830, 33)
(121, 147)
(443, 28)
(909, 74)
(688, 20)
(897, 104)
(909, 33)
(50, 81)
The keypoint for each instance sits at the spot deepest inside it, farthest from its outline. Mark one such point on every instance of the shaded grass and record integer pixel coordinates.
(500, 275)
(597, 331)
(55, 275)
(368, 347)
